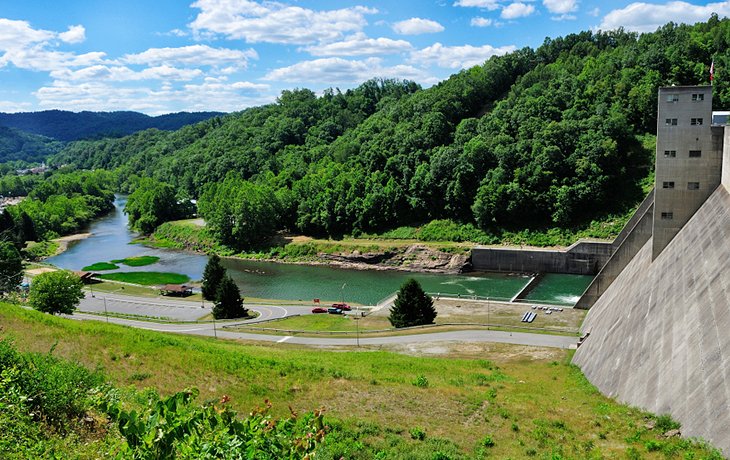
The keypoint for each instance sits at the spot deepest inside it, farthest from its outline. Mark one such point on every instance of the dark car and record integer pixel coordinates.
(319, 310)
(342, 306)
(334, 311)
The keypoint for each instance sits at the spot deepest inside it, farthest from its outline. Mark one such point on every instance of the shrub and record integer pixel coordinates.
(417, 433)
(421, 381)
(665, 422)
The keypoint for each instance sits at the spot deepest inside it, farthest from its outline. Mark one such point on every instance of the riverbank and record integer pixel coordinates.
(349, 253)
(64, 241)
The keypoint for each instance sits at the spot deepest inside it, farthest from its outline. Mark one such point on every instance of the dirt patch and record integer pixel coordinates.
(64, 241)
(38, 271)
(498, 352)
(468, 311)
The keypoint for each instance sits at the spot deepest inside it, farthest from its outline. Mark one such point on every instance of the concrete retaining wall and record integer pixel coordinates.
(630, 245)
(659, 334)
(582, 258)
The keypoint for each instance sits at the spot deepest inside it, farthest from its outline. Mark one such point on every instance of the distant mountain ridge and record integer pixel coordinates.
(70, 126)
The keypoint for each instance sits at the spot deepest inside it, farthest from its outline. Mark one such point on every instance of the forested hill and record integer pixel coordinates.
(71, 126)
(536, 138)
(16, 145)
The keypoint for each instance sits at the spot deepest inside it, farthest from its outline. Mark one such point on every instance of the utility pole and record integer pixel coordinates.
(106, 312)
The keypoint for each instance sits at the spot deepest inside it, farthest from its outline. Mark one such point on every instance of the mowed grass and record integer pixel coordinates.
(511, 402)
(139, 261)
(330, 323)
(146, 278)
(100, 266)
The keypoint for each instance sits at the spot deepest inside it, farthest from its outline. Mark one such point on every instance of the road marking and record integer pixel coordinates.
(284, 339)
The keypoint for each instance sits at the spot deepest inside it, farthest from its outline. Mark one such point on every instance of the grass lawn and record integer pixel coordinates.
(139, 261)
(327, 322)
(100, 266)
(147, 278)
(458, 399)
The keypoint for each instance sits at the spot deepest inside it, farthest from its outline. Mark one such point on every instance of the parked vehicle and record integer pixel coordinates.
(319, 310)
(334, 311)
(342, 306)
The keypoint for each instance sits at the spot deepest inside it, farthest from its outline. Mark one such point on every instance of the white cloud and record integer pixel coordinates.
(481, 22)
(338, 70)
(360, 45)
(18, 34)
(646, 17)
(564, 17)
(74, 34)
(40, 59)
(517, 10)
(457, 57)
(560, 6)
(273, 22)
(122, 73)
(195, 55)
(31, 49)
(13, 107)
(416, 26)
(486, 4)
(100, 96)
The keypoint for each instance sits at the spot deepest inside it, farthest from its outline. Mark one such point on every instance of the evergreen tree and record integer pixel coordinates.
(11, 267)
(212, 276)
(228, 301)
(412, 306)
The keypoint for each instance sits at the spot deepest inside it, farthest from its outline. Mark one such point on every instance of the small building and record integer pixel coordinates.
(87, 277)
(181, 290)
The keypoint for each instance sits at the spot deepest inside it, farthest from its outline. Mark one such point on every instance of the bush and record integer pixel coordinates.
(665, 423)
(417, 433)
(421, 382)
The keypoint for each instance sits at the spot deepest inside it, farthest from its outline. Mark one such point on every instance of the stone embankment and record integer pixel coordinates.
(416, 257)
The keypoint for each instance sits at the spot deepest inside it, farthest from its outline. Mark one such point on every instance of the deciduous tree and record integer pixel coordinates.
(11, 267)
(56, 292)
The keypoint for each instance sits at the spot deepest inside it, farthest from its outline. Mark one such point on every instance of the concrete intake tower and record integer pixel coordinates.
(657, 335)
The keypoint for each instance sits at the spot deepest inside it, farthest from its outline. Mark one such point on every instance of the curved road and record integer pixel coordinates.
(181, 310)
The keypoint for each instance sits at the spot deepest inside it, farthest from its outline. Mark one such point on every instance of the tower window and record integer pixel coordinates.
(671, 122)
(667, 184)
(695, 153)
(672, 98)
(670, 153)
(667, 215)
(698, 97)
(695, 121)
(693, 185)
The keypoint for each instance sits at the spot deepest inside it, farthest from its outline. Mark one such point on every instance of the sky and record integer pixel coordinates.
(165, 56)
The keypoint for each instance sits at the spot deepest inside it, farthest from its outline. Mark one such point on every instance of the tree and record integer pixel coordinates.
(56, 292)
(11, 267)
(152, 203)
(412, 306)
(213, 274)
(228, 301)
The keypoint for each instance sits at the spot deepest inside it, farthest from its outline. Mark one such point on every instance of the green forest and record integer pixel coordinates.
(547, 139)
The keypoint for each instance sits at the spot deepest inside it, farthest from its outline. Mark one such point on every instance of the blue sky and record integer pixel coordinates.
(170, 55)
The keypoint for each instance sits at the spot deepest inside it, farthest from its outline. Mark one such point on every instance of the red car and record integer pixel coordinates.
(342, 306)
(319, 310)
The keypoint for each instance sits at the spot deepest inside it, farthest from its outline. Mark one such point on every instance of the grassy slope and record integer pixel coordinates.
(534, 403)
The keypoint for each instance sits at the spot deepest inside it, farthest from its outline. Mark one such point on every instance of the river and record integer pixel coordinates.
(110, 239)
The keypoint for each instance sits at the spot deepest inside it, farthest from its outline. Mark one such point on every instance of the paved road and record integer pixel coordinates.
(207, 329)
(174, 309)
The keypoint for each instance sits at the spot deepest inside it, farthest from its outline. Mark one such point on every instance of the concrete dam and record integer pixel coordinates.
(657, 335)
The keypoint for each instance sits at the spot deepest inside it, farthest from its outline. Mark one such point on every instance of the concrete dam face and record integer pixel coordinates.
(658, 336)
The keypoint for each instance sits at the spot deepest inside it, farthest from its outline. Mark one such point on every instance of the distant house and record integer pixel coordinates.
(181, 290)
